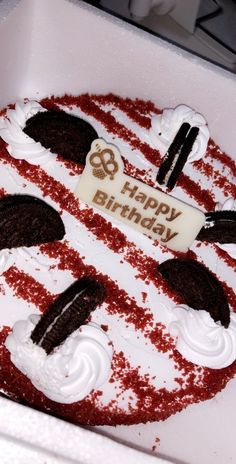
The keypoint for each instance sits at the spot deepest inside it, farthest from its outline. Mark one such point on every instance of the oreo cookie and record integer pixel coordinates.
(198, 287)
(172, 152)
(62, 133)
(27, 221)
(177, 155)
(220, 227)
(67, 313)
(183, 156)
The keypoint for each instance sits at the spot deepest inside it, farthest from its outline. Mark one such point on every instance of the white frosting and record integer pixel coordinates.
(6, 260)
(165, 126)
(228, 205)
(230, 248)
(33, 254)
(75, 368)
(20, 145)
(201, 340)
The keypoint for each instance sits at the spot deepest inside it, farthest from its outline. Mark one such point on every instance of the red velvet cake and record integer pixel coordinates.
(145, 351)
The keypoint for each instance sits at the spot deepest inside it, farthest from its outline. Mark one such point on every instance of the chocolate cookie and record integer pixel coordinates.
(67, 313)
(63, 133)
(198, 287)
(172, 152)
(220, 227)
(183, 156)
(177, 155)
(27, 221)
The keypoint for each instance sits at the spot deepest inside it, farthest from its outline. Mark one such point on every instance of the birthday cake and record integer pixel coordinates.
(117, 304)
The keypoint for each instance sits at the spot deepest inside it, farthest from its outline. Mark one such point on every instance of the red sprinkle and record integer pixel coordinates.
(27, 288)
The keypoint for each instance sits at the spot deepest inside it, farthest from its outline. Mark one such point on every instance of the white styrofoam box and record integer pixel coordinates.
(29, 436)
(57, 46)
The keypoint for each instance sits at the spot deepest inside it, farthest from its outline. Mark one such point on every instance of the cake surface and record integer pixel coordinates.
(150, 380)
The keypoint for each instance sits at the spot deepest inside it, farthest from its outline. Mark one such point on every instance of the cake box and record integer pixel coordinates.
(62, 46)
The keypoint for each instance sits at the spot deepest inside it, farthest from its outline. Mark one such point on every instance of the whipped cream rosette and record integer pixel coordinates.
(63, 358)
(201, 340)
(20, 145)
(165, 126)
(81, 364)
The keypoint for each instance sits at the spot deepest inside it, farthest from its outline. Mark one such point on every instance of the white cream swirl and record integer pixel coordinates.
(228, 205)
(79, 365)
(20, 145)
(165, 126)
(201, 340)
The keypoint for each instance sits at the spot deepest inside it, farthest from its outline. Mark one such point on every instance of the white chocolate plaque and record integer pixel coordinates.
(156, 214)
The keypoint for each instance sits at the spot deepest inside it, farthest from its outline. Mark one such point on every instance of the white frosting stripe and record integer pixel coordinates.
(6, 260)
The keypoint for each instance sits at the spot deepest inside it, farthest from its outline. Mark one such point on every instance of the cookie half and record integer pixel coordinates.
(62, 133)
(220, 227)
(198, 287)
(27, 221)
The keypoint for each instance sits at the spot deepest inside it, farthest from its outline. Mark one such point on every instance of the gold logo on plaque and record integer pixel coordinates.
(103, 163)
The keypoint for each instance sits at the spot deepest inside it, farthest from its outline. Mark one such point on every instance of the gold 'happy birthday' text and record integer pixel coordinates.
(136, 214)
